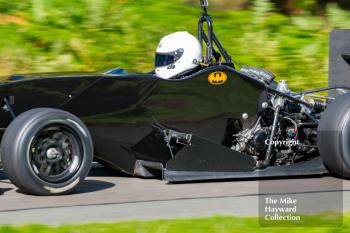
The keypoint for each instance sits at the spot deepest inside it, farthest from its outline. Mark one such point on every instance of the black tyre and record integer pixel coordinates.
(46, 151)
(334, 136)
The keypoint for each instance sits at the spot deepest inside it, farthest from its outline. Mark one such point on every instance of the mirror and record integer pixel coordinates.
(204, 3)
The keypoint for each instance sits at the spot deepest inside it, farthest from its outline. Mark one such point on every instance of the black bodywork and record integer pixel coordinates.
(147, 126)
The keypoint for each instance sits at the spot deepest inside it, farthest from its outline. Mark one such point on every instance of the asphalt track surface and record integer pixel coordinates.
(107, 196)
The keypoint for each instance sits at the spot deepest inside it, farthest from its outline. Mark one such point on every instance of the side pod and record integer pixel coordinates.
(203, 155)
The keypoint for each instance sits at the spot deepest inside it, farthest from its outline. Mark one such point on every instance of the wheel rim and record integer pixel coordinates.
(55, 153)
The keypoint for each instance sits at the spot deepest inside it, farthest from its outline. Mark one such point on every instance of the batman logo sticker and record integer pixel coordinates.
(217, 78)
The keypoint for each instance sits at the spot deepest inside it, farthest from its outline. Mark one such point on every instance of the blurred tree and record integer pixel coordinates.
(295, 7)
(223, 4)
(288, 7)
(38, 10)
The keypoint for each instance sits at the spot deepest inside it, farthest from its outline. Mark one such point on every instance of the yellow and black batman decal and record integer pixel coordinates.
(217, 78)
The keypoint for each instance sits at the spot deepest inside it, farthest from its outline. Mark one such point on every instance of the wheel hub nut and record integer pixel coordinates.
(52, 153)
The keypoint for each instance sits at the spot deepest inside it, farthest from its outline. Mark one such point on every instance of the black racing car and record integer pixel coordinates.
(216, 122)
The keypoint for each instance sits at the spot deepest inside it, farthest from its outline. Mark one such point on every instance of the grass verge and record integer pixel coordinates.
(199, 225)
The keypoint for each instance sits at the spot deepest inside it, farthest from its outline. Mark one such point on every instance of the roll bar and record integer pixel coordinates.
(210, 39)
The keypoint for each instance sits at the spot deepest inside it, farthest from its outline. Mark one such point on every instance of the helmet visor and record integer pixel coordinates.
(165, 59)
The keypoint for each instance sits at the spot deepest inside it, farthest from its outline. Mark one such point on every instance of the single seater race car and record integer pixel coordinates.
(215, 122)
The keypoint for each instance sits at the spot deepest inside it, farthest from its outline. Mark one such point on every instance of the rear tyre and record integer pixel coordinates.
(334, 136)
(46, 151)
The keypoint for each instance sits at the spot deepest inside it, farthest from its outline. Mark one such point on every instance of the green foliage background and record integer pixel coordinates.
(90, 35)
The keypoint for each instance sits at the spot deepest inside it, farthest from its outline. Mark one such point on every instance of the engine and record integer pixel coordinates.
(284, 133)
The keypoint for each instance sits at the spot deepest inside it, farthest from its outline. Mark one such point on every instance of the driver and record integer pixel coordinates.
(176, 54)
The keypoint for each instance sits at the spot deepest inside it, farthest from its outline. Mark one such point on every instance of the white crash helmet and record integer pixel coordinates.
(177, 53)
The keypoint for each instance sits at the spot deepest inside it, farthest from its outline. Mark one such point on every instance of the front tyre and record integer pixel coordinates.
(46, 151)
(334, 136)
